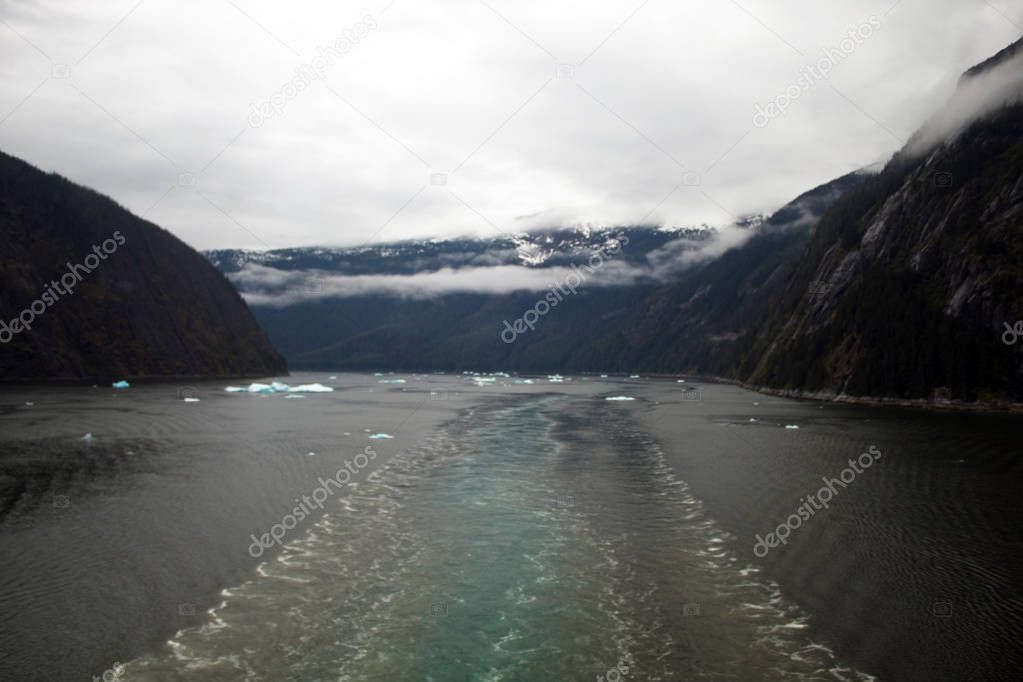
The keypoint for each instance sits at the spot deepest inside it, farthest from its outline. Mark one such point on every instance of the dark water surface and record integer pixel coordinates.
(506, 532)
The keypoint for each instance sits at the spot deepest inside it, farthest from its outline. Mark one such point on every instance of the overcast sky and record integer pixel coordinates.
(451, 117)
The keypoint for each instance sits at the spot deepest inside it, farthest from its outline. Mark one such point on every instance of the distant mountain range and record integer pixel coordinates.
(447, 304)
(897, 283)
(90, 292)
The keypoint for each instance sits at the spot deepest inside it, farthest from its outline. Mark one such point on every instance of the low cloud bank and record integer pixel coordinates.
(977, 96)
(268, 286)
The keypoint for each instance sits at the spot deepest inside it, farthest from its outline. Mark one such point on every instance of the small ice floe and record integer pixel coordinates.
(278, 387)
(378, 374)
(251, 388)
(310, 454)
(752, 419)
(555, 378)
(292, 396)
(121, 384)
(484, 381)
(310, 388)
(86, 437)
(791, 427)
(756, 403)
(391, 381)
(680, 381)
(191, 400)
(619, 397)
(333, 377)
(348, 433)
(380, 436)
(523, 381)
(603, 376)
(29, 404)
(634, 376)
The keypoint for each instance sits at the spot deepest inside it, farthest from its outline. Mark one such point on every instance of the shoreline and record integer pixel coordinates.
(929, 405)
(990, 407)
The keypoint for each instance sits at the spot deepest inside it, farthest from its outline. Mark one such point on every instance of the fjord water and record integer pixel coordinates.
(506, 532)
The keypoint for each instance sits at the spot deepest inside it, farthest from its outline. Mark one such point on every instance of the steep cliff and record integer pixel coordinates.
(908, 282)
(89, 291)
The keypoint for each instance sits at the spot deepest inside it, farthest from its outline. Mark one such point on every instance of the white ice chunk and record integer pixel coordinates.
(311, 388)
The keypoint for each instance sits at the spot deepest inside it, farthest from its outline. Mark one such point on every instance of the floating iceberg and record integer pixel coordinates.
(619, 397)
(86, 437)
(278, 387)
(121, 384)
(380, 436)
(310, 388)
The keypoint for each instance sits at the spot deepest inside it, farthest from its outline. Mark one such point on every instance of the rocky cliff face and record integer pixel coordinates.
(90, 292)
(697, 323)
(908, 282)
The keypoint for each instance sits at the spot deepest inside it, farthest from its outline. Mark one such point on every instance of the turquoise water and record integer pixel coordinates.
(519, 543)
